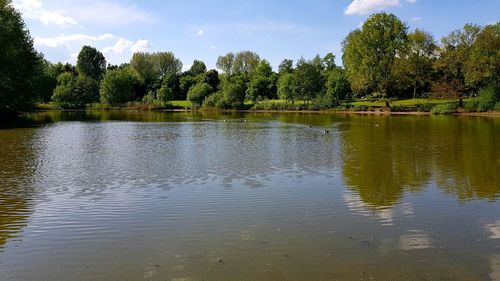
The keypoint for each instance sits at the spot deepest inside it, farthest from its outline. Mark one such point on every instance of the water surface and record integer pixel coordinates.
(190, 196)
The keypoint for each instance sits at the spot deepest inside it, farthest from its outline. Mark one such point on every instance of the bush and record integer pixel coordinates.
(75, 91)
(215, 100)
(487, 99)
(198, 93)
(116, 87)
(445, 108)
(497, 107)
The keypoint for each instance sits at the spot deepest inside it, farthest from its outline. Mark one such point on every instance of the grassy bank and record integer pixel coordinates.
(409, 106)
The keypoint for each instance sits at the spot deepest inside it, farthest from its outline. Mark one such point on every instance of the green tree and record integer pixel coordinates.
(166, 63)
(287, 87)
(233, 91)
(212, 79)
(329, 62)
(198, 93)
(197, 68)
(337, 87)
(454, 53)
(75, 91)
(91, 63)
(145, 67)
(186, 82)
(116, 87)
(261, 83)
(286, 66)
(309, 81)
(420, 54)
(225, 63)
(19, 62)
(370, 53)
(483, 65)
(245, 62)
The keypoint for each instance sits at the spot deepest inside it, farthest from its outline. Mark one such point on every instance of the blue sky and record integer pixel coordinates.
(204, 30)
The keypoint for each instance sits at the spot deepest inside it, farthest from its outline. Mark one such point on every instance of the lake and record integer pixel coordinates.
(116, 195)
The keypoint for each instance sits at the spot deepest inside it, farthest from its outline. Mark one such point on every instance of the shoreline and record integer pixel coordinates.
(493, 114)
(344, 112)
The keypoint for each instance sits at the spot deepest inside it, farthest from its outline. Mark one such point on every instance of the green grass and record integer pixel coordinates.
(181, 103)
(409, 102)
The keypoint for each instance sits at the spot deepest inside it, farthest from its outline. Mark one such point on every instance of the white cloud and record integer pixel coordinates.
(32, 9)
(64, 40)
(27, 5)
(120, 46)
(111, 13)
(57, 19)
(140, 46)
(200, 32)
(363, 7)
(416, 19)
(411, 1)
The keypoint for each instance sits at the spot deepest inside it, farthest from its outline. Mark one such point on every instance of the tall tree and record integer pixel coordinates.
(370, 53)
(19, 62)
(225, 63)
(91, 63)
(245, 62)
(309, 81)
(483, 65)
(116, 87)
(166, 63)
(420, 52)
(455, 51)
(197, 68)
(286, 66)
(287, 87)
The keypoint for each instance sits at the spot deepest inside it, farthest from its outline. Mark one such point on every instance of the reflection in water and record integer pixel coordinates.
(123, 195)
(415, 240)
(495, 268)
(403, 154)
(494, 230)
(16, 168)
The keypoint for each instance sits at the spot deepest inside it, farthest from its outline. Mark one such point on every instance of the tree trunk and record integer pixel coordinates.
(415, 89)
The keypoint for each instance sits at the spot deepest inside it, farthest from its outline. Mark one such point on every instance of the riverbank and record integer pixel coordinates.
(378, 112)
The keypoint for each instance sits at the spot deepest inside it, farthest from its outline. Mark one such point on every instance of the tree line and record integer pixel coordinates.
(383, 59)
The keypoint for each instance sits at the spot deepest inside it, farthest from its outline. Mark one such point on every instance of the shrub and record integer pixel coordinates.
(487, 99)
(445, 108)
(198, 93)
(116, 87)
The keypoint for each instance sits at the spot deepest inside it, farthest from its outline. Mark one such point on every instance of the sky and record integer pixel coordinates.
(205, 29)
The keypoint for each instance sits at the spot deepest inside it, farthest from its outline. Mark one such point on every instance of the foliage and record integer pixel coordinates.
(370, 53)
(198, 93)
(337, 87)
(225, 63)
(212, 79)
(261, 85)
(116, 87)
(309, 81)
(487, 98)
(287, 87)
(233, 92)
(151, 67)
(445, 108)
(75, 91)
(419, 56)
(286, 66)
(197, 68)
(19, 62)
(91, 63)
(483, 65)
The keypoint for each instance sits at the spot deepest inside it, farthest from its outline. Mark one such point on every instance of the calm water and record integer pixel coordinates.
(191, 197)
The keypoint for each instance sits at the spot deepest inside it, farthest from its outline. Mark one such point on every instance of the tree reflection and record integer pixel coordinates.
(385, 157)
(16, 169)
